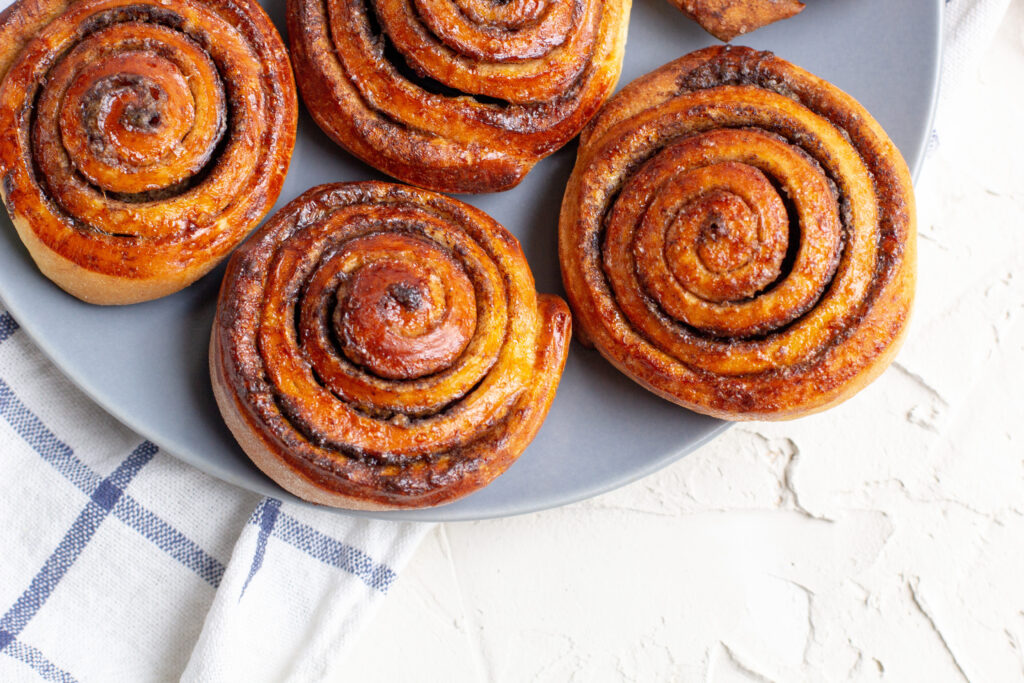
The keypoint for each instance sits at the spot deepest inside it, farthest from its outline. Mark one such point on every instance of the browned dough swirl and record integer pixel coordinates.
(143, 139)
(378, 346)
(456, 95)
(738, 236)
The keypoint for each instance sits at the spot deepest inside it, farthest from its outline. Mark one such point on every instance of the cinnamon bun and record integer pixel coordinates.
(143, 139)
(378, 346)
(456, 95)
(738, 236)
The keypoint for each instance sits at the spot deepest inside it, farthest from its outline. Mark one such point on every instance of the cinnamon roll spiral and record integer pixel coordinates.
(143, 138)
(377, 346)
(738, 236)
(456, 95)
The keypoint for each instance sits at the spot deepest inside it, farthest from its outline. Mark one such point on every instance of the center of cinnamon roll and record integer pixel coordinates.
(145, 115)
(702, 229)
(404, 320)
(147, 118)
(129, 117)
(714, 234)
(728, 232)
(408, 297)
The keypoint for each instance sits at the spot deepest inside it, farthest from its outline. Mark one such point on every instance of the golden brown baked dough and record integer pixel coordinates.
(738, 236)
(456, 95)
(726, 19)
(142, 139)
(377, 346)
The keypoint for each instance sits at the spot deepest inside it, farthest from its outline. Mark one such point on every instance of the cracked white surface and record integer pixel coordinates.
(883, 540)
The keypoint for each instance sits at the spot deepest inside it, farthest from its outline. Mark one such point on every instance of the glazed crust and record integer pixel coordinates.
(726, 19)
(738, 236)
(456, 95)
(377, 347)
(145, 138)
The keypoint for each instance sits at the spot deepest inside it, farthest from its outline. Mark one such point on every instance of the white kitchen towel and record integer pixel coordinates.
(119, 563)
(968, 28)
(299, 614)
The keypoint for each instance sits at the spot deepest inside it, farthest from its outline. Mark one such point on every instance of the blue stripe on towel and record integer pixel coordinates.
(37, 660)
(74, 541)
(170, 540)
(265, 515)
(333, 552)
(54, 451)
(60, 456)
(8, 325)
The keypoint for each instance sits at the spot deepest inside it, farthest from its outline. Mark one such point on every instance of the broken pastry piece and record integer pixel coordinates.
(726, 19)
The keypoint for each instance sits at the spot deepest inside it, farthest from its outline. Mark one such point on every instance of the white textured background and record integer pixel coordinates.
(883, 540)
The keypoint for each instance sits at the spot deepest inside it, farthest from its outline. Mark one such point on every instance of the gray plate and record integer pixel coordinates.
(146, 364)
